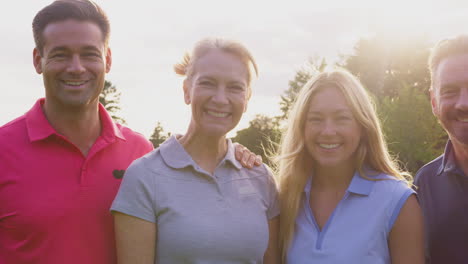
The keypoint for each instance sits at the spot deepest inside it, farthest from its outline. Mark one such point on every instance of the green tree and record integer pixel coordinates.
(261, 137)
(159, 135)
(110, 99)
(312, 68)
(411, 129)
(382, 63)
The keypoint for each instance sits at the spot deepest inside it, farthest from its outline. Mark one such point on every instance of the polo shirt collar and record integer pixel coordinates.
(230, 156)
(39, 127)
(176, 156)
(448, 164)
(37, 124)
(110, 129)
(358, 185)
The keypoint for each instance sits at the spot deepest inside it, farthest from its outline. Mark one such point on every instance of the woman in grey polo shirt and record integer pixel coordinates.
(343, 198)
(190, 200)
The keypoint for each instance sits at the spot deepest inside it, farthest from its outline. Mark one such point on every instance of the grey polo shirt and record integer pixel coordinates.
(201, 218)
(443, 194)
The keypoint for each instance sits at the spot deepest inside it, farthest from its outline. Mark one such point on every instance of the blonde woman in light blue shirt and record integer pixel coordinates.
(343, 198)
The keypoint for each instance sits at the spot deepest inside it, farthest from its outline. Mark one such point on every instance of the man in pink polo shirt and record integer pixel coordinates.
(62, 162)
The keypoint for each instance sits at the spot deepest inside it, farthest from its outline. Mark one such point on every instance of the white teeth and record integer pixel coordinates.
(217, 114)
(329, 146)
(463, 119)
(74, 83)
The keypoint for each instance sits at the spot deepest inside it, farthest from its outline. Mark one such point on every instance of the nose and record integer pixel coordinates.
(220, 96)
(328, 128)
(462, 102)
(76, 65)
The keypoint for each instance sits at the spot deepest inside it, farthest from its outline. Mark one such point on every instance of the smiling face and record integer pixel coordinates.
(449, 97)
(332, 134)
(217, 92)
(73, 63)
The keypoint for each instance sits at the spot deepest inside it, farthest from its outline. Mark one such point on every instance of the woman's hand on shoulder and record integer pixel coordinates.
(246, 157)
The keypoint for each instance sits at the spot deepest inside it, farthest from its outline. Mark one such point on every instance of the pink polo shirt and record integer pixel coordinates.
(54, 202)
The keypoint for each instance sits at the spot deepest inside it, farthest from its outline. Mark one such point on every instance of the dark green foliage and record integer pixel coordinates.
(313, 67)
(411, 130)
(260, 137)
(110, 99)
(158, 136)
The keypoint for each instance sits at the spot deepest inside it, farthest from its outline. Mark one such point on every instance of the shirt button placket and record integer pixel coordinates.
(220, 196)
(84, 169)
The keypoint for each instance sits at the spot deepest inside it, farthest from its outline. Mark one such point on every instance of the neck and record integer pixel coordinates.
(206, 151)
(333, 177)
(461, 156)
(81, 126)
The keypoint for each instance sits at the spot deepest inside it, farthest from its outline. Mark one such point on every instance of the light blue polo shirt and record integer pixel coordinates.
(201, 217)
(358, 229)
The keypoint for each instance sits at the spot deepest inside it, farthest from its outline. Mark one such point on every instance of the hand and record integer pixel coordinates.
(247, 158)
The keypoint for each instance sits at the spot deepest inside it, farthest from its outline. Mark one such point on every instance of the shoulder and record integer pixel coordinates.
(13, 135)
(151, 161)
(261, 172)
(156, 163)
(134, 138)
(262, 178)
(395, 192)
(389, 185)
(129, 134)
(428, 170)
(13, 126)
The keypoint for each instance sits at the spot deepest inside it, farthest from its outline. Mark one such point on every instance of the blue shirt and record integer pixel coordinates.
(358, 229)
(201, 217)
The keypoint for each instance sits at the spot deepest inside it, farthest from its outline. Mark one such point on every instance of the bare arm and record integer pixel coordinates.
(406, 241)
(272, 255)
(135, 239)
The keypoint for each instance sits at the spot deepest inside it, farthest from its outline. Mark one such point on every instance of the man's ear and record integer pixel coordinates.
(186, 87)
(434, 103)
(37, 60)
(249, 94)
(108, 59)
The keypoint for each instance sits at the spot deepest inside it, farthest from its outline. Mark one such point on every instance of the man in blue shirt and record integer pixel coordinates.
(442, 184)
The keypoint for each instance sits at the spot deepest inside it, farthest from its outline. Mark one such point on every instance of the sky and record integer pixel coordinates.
(148, 37)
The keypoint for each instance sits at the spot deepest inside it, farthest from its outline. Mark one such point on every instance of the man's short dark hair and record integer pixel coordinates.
(61, 10)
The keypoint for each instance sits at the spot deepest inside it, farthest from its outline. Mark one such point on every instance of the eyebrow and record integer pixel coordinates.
(91, 48)
(205, 77)
(60, 48)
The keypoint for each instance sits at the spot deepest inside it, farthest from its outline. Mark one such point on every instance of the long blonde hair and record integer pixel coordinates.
(295, 167)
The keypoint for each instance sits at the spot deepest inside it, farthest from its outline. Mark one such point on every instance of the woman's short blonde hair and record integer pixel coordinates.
(186, 66)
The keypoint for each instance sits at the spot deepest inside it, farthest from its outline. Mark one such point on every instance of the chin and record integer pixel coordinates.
(215, 132)
(332, 164)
